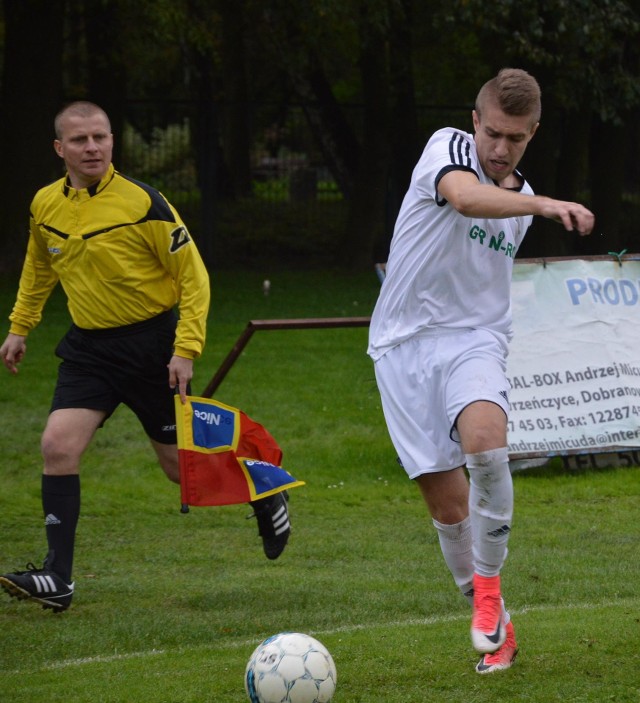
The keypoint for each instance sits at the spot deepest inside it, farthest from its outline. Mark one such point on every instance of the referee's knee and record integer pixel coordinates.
(168, 459)
(59, 455)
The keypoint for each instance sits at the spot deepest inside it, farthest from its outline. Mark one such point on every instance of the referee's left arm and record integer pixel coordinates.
(182, 260)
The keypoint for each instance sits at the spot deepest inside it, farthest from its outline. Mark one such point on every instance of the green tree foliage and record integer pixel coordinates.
(30, 94)
(241, 64)
(332, 52)
(590, 48)
(586, 55)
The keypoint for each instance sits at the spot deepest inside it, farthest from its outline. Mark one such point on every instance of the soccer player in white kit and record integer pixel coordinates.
(439, 336)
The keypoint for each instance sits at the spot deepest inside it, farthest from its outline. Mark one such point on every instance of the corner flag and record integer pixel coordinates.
(225, 457)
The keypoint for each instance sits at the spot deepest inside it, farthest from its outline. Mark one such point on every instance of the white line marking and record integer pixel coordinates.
(435, 620)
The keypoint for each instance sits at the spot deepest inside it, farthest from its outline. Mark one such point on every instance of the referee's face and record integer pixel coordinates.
(501, 140)
(86, 145)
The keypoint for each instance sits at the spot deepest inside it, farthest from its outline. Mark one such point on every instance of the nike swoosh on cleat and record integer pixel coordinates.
(495, 637)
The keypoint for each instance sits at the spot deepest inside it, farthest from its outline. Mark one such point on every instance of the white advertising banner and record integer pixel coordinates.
(574, 361)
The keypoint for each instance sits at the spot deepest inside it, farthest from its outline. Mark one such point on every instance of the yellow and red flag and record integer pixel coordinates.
(226, 457)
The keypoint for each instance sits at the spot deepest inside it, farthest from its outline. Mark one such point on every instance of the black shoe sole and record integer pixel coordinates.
(15, 591)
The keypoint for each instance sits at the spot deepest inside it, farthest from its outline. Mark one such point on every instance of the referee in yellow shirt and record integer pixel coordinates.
(125, 259)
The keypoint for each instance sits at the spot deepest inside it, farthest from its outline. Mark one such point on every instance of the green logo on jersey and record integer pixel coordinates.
(495, 243)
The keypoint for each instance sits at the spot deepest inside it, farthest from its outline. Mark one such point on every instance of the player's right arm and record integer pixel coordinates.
(36, 283)
(12, 351)
(468, 196)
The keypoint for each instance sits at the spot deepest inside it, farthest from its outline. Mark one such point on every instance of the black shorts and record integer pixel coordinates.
(102, 368)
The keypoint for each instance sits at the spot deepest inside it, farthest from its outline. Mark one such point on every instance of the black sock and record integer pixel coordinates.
(61, 505)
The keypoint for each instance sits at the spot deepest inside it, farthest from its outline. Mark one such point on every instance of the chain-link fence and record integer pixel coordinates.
(293, 206)
(291, 209)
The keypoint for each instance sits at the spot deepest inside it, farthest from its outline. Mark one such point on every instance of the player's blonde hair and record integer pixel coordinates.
(514, 91)
(80, 108)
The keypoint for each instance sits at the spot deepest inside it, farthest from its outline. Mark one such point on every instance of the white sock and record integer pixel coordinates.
(457, 548)
(490, 508)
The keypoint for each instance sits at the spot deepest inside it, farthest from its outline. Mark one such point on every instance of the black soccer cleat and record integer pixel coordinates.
(39, 585)
(273, 523)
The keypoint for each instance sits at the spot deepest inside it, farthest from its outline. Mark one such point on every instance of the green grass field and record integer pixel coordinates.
(169, 607)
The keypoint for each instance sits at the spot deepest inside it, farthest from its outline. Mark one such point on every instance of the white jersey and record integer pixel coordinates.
(446, 270)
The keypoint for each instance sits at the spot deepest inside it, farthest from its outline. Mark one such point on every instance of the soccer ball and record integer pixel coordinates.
(290, 668)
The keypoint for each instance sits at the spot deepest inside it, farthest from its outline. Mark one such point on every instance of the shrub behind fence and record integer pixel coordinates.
(294, 211)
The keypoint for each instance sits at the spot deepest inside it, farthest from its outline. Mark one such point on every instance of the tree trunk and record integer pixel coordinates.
(31, 96)
(572, 174)
(608, 152)
(542, 168)
(236, 136)
(407, 142)
(208, 156)
(107, 77)
(365, 220)
(573, 179)
(334, 135)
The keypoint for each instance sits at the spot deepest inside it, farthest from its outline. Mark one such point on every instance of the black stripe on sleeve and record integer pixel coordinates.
(460, 150)
(447, 169)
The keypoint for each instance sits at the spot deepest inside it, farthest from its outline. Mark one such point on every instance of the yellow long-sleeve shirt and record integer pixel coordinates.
(122, 255)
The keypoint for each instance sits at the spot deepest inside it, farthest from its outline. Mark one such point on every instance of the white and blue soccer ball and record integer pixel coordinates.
(290, 668)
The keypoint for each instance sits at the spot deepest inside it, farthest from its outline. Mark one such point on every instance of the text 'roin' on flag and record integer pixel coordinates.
(225, 457)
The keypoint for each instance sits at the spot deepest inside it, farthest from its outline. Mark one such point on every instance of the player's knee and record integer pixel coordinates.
(484, 438)
(446, 506)
(59, 453)
(451, 514)
(482, 426)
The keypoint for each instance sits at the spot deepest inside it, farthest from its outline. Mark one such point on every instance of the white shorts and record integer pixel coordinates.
(426, 381)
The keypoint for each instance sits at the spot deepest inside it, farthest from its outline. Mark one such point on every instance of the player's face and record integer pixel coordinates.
(501, 141)
(86, 145)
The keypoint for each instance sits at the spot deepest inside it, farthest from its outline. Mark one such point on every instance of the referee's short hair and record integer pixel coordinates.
(80, 108)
